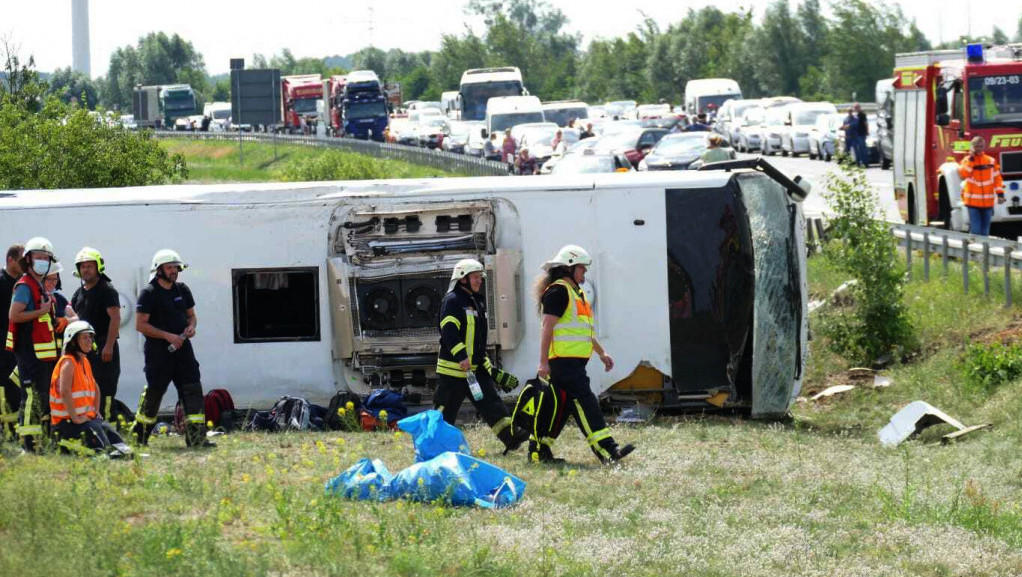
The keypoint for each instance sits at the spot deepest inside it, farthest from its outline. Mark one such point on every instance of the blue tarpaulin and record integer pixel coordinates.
(450, 477)
(432, 435)
(441, 473)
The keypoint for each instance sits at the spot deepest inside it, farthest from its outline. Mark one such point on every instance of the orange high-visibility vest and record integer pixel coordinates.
(982, 181)
(84, 393)
(44, 339)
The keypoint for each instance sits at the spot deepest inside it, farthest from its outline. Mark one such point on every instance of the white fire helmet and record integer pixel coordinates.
(569, 255)
(463, 268)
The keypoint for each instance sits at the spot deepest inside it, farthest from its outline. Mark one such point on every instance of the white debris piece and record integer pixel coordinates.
(881, 382)
(831, 391)
(915, 417)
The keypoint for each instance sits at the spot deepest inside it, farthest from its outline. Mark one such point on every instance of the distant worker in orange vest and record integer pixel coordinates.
(981, 183)
(74, 399)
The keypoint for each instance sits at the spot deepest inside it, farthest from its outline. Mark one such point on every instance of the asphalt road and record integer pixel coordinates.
(816, 171)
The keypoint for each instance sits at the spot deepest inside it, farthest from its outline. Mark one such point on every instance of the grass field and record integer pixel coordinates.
(217, 161)
(702, 495)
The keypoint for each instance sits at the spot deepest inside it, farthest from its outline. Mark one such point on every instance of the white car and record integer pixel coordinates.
(748, 129)
(771, 130)
(644, 111)
(621, 109)
(799, 121)
(539, 141)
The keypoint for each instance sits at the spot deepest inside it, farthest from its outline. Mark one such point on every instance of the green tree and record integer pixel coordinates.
(999, 37)
(457, 54)
(19, 82)
(861, 46)
(64, 147)
(70, 85)
(372, 58)
(780, 47)
(221, 91)
(155, 59)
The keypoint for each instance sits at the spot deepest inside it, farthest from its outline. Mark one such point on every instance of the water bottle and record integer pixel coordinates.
(171, 346)
(473, 386)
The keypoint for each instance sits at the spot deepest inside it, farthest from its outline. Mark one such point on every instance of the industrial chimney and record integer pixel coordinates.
(80, 37)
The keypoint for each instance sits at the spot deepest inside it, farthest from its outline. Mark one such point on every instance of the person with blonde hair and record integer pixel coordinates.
(567, 341)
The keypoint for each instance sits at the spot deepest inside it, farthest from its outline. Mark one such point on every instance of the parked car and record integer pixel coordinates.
(403, 131)
(644, 111)
(518, 131)
(608, 127)
(539, 141)
(634, 143)
(823, 135)
(431, 131)
(592, 162)
(749, 129)
(799, 121)
(577, 148)
(771, 129)
(460, 134)
(681, 151)
(729, 117)
(872, 143)
(622, 109)
(675, 119)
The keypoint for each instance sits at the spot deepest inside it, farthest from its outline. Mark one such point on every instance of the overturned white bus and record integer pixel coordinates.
(305, 289)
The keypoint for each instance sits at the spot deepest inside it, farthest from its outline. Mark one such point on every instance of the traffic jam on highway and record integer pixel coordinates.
(921, 124)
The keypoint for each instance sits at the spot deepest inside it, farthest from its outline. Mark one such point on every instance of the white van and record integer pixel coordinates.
(449, 104)
(503, 112)
(219, 114)
(708, 94)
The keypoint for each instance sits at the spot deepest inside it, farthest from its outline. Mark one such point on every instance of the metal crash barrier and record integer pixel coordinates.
(447, 161)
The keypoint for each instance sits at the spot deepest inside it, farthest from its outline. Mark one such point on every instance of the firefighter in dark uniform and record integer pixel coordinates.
(10, 392)
(463, 329)
(165, 314)
(31, 336)
(98, 303)
(567, 341)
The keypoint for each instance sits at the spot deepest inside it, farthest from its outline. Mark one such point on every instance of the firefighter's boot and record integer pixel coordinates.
(541, 453)
(619, 453)
(195, 436)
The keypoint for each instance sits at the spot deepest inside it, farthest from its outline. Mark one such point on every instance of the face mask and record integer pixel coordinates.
(41, 267)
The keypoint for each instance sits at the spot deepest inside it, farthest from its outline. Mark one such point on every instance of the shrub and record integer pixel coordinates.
(986, 366)
(862, 246)
(63, 146)
(333, 165)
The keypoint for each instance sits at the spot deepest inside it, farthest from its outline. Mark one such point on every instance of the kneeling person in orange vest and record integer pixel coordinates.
(74, 399)
(981, 184)
(567, 341)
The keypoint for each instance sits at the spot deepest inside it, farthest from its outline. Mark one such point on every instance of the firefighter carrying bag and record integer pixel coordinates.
(540, 409)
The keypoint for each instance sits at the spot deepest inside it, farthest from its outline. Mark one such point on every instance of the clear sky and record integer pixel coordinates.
(222, 29)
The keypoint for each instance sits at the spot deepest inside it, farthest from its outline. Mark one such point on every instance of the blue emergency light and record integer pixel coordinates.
(974, 52)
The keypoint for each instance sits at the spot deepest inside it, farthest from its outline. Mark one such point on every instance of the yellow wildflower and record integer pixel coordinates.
(340, 412)
(171, 553)
(350, 406)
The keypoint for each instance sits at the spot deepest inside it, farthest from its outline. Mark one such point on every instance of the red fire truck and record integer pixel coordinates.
(944, 99)
(300, 94)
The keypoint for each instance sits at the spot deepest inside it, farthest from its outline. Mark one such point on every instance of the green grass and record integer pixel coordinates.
(218, 161)
(702, 495)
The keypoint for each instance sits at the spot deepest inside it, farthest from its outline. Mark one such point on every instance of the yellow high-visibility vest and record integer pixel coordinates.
(573, 333)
